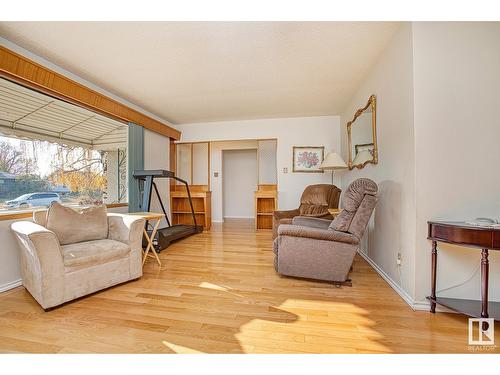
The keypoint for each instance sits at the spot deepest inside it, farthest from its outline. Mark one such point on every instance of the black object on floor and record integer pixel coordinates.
(164, 236)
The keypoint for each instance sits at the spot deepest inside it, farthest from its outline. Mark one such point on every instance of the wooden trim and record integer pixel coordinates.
(115, 205)
(27, 214)
(19, 215)
(229, 140)
(173, 163)
(208, 164)
(26, 72)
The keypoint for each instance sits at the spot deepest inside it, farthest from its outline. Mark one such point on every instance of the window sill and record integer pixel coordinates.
(29, 213)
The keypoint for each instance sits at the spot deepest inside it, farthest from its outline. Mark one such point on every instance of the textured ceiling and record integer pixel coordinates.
(211, 71)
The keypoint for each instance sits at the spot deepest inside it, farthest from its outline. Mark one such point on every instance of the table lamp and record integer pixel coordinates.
(333, 162)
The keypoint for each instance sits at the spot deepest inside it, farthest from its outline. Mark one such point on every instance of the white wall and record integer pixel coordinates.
(157, 156)
(289, 132)
(457, 133)
(239, 181)
(392, 229)
(437, 90)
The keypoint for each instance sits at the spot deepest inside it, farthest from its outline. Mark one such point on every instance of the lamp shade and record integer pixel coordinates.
(332, 162)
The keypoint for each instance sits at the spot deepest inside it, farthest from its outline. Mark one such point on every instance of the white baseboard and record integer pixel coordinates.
(10, 285)
(239, 217)
(415, 305)
(402, 293)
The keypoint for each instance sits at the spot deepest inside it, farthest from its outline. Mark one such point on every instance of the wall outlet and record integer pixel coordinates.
(285, 170)
(398, 259)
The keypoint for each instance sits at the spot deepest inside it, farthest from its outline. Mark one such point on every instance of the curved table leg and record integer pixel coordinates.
(433, 276)
(484, 286)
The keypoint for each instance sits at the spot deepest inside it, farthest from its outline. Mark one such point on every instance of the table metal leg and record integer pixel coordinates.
(433, 276)
(484, 285)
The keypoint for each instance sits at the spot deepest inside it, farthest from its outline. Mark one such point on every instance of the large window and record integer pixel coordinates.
(54, 151)
(35, 173)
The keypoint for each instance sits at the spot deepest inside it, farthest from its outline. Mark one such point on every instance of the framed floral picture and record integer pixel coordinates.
(307, 159)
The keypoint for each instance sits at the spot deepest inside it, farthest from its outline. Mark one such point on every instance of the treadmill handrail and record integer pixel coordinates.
(162, 173)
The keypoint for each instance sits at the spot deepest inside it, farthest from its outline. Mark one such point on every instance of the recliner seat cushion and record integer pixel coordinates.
(91, 253)
(71, 226)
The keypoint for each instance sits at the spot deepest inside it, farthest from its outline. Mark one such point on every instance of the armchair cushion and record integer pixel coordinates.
(91, 253)
(71, 226)
(316, 199)
(316, 234)
(40, 217)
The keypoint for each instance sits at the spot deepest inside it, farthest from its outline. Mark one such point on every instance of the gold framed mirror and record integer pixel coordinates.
(362, 136)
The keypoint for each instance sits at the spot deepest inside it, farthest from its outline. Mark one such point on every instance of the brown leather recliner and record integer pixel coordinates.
(314, 202)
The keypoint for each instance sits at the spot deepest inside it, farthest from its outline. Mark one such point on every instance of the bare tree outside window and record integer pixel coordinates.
(77, 176)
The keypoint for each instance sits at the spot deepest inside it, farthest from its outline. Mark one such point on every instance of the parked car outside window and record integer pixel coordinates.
(33, 200)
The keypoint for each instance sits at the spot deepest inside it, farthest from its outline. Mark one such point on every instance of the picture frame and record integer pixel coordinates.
(367, 146)
(307, 159)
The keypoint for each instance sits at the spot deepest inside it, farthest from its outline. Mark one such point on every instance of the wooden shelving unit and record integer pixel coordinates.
(181, 211)
(266, 202)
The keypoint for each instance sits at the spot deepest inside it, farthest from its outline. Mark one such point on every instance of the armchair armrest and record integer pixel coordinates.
(42, 263)
(316, 233)
(286, 214)
(311, 222)
(128, 229)
(125, 228)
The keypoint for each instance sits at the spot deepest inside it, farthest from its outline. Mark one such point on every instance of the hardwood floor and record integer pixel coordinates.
(217, 292)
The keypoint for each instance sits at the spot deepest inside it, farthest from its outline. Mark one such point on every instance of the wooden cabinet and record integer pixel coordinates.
(181, 211)
(266, 202)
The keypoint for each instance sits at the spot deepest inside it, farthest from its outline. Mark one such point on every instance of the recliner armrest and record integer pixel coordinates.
(312, 222)
(316, 233)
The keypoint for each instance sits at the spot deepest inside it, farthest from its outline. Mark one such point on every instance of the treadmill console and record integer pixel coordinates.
(157, 173)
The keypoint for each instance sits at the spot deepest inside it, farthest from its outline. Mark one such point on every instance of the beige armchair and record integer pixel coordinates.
(55, 271)
(325, 249)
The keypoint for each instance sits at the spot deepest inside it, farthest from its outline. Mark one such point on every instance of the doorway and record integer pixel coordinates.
(239, 182)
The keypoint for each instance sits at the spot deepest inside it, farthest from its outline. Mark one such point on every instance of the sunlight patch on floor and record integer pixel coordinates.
(213, 286)
(219, 288)
(338, 328)
(179, 349)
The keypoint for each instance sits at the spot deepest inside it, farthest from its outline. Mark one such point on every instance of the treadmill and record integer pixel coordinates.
(164, 236)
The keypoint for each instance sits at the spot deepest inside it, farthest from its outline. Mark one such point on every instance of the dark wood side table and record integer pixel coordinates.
(463, 234)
